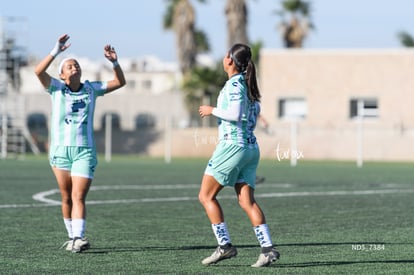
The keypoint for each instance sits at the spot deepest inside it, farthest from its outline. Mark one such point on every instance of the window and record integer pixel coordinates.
(364, 107)
(36, 121)
(145, 121)
(115, 121)
(293, 108)
(37, 124)
(131, 84)
(147, 84)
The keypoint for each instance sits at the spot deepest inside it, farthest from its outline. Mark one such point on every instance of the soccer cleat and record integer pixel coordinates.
(67, 245)
(79, 245)
(220, 254)
(265, 259)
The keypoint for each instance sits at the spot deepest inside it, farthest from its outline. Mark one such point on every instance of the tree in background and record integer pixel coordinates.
(180, 17)
(201, 84)
(406, 39)
(294, 29)
(236, 14)
(256, 47)
(201, 88)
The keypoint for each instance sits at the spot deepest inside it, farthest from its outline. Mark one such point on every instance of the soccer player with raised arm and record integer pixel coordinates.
(72, 152)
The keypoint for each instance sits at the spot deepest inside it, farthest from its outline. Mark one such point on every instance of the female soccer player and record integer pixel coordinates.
(236, 156)
(72, 152)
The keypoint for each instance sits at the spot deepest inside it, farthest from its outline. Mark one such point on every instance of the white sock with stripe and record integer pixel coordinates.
(222, 234)
(263, 235)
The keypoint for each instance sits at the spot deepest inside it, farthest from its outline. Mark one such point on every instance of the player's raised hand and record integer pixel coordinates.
(60, 45)
(110, 53)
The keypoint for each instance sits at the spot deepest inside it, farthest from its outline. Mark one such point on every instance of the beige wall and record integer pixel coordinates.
(327, 80)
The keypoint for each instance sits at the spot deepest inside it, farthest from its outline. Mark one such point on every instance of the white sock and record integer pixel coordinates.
(78, 227)
(68, 225)
(221, 233)
(263, 235)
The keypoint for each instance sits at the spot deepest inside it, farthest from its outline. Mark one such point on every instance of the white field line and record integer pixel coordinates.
(42, 197)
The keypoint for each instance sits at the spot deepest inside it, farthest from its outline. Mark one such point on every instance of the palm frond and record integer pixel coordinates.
(406, 39)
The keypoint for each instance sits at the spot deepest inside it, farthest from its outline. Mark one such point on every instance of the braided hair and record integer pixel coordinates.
(242, 58)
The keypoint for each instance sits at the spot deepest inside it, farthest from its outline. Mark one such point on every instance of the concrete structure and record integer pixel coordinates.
(320, 104)
(342, 104)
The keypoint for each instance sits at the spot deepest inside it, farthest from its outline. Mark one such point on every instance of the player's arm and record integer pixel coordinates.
(40, 69)
(233, 110)
(41, 73)
(231, 114)
(119, 79)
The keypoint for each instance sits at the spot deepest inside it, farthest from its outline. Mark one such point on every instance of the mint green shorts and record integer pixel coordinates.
(80, 161)
(232, 164)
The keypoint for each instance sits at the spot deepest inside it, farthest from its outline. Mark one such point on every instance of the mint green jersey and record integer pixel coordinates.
(73, 112)
(240, 132)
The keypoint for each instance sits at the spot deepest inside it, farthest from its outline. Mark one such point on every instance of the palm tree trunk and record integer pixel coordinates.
(184, 21)
(236, 13)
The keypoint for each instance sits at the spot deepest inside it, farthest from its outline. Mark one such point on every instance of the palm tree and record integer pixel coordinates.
(236, 13)
(180, 17)
(201, 86)
(237, 18)
(182, 21)
(406, 39)
(296, 28)
(256, 47)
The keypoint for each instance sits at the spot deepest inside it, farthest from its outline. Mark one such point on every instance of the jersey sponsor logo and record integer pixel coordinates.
(78, 104)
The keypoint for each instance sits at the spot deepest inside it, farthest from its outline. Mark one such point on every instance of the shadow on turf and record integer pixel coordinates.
(152, 248)
(332, 263)
(341, 243)
(278, 265)
(200, 247)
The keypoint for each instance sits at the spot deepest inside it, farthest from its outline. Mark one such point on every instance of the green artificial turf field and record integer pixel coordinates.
(144, 218)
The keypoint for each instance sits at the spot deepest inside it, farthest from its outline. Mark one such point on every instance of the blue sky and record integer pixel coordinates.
(134, 27)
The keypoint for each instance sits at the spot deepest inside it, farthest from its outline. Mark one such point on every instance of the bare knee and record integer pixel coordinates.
(78, 198)
(203, 198)
(209, 190)
(66, 197)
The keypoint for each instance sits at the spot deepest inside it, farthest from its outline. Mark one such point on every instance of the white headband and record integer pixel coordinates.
(62, 63)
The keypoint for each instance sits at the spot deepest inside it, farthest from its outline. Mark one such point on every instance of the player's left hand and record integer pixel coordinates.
(110, 53)
(205, 110)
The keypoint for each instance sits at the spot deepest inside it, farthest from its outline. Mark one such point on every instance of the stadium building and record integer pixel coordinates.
(320, 104)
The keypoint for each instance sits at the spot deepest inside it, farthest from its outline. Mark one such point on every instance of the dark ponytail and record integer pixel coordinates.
(242, 58)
